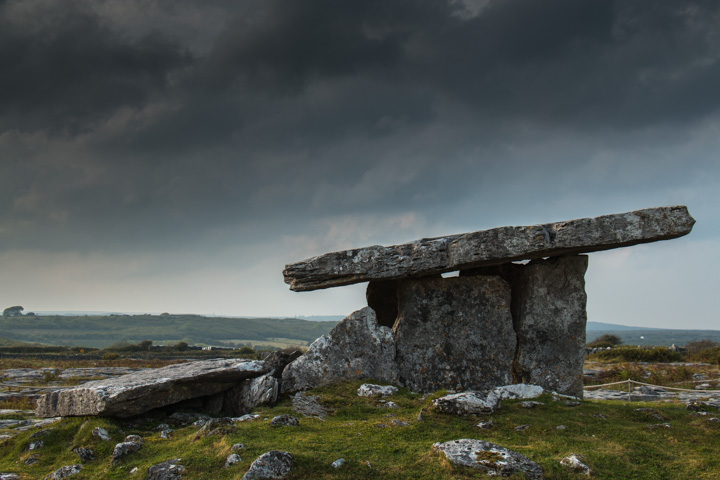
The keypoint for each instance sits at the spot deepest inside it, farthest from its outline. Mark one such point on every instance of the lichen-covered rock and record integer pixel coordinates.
(136, 393)
(249, 394)
(101, 433)
(372, 390)
(356, 348)
(86, 454)
(64, 472)
(520, 391)
(489, 457)
(468, 403)
(488, 247)
(232, 459)
(284, 421)
(132, 443)
(270, 466)
(575, 462)
(9, 476)
(549, 310)
(454, 333)
(308, 405)
(169, 470)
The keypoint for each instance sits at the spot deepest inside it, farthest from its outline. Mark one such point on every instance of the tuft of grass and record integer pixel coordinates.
(616, 444)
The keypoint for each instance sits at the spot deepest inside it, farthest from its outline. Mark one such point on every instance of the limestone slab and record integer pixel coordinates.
(136, 393)
(488, 247)
(454, 333)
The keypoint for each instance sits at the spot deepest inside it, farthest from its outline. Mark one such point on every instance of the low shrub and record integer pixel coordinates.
(638, 354)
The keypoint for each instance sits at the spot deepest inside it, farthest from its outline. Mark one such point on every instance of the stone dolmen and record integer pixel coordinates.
(496, 323)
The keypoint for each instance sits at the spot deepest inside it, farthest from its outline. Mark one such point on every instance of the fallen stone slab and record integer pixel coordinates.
(356, 348)
(136, 393)
(488, 247)
(489, 458)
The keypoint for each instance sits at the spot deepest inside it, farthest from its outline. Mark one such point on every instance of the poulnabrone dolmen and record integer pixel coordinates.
(498, 322)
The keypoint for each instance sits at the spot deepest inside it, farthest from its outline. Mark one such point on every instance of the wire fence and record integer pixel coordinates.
(635, 382)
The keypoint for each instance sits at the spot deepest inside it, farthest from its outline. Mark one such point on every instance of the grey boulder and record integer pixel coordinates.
(136, 393)
(489, 458)
(249, 394)
(64, 472)
(270, 466)
(356, 348)
(169, 470)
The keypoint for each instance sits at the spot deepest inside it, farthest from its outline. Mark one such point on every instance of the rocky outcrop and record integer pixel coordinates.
(488, 247)
(356, 348)
(489, 458)
(140, 392)
(454, 333)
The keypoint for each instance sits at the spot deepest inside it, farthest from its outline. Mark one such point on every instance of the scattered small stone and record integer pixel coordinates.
(659, 425)
(101, 433)
(32, 459)
(372, 390)
(560, 427)
(217, 426)
(247, 418)
(161, 427)
(39, 434)
(713, 420)
(232, 459)
(485, 425)
(520, 428)
(5, 437)
(132, 443)
(530, 404)
(238, 446)
(399, 423)
(703, 386)
(572, 403)
(389, 404)
(169, 470)
(575, 462)
(308, 405)
(338, 463)
(651, 413)
(64, 472)
(166, 434)
(37, 444)
(9, 476)
(134, 471)
(489, 457)
(285, 421)
(600, 416)
(85, 453)
(271, 465)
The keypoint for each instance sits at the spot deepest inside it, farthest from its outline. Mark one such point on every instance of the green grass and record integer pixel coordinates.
(620, 446)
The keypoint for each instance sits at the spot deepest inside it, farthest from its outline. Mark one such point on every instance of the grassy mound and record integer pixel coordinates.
(616, 439)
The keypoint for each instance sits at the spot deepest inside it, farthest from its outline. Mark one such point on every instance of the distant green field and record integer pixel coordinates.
(102, 331)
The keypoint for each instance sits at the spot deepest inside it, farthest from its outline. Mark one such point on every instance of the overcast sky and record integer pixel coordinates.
(174, 155)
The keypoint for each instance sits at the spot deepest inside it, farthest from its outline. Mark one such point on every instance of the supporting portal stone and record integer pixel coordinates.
(454, 333)
(548, 308)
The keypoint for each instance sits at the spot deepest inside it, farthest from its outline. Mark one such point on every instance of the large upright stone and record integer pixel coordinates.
(140, 392)
(454, 333)
(549, 309)
(356, 348)
(488, 247)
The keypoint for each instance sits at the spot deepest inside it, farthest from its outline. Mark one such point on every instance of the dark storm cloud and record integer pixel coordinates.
(64, 67)
(157, 126)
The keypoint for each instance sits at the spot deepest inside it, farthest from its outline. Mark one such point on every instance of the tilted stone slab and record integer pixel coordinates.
(140, 392)
(488, 247)
(454, 333)
(356, 348)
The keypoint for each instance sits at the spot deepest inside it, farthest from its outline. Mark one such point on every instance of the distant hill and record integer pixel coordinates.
(102, 331)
